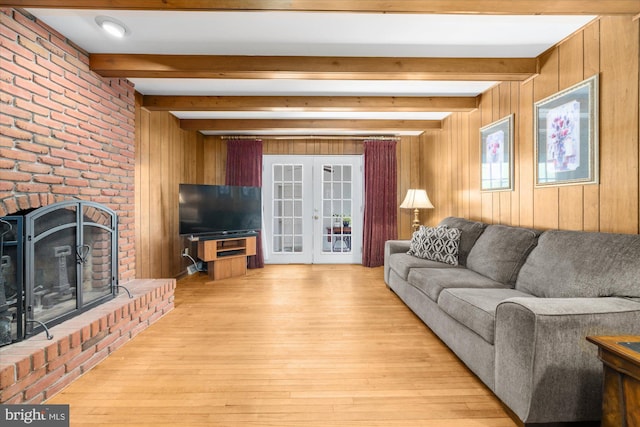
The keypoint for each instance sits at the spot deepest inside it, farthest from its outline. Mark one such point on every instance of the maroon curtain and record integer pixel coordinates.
(244, 167)
(381, 200)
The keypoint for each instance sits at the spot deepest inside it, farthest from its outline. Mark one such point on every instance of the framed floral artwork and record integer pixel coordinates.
(566, 136)
(496, 146)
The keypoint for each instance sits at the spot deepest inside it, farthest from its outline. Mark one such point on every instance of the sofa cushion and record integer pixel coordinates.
(469, 233)
(500, 251)
(432, 281)
(476, 308)
(402, 263)
(581, 264)
(436, 244)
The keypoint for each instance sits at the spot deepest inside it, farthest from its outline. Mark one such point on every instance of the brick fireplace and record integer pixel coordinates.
(67, 133)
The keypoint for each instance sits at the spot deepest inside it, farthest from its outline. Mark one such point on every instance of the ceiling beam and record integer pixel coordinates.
(311, 67)
(275, 124)
(500, 7)
(311, 103)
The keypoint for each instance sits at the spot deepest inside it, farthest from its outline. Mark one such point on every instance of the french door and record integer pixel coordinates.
(313, 209)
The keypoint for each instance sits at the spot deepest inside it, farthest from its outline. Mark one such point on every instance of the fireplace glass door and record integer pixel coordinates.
(69, 260)
(11, 295)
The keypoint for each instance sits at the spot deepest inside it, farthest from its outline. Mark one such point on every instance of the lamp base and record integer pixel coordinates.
(416, 220)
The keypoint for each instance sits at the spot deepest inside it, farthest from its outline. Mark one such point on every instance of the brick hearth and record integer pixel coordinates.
(33, 370)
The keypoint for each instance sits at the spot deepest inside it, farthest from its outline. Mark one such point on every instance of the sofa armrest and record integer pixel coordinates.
(545, 369)
(393, 247)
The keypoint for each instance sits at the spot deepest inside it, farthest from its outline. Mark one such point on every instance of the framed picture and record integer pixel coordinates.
(496, 146)
(566, 136)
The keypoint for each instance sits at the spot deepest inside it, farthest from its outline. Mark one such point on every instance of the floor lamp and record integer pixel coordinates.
(416, 199)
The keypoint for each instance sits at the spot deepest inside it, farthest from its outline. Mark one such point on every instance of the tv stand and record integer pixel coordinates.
(227, 257)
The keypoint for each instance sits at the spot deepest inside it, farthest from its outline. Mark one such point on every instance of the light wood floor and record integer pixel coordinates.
(310, 346)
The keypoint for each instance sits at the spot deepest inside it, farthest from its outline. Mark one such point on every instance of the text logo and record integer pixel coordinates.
(34, 415)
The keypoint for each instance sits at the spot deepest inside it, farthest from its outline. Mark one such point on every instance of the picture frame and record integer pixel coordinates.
(566, 136)
(496, 154)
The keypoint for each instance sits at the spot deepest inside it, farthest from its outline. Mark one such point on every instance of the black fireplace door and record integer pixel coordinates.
(11, 294)
(70, 261)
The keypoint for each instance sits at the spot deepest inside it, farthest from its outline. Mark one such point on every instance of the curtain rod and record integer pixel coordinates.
(328, 137)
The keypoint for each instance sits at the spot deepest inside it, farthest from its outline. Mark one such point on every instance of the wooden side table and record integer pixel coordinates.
(621, 382)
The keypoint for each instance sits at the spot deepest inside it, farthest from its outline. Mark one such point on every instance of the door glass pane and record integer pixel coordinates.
(96, 265)
(287, 208)
(277, 243)
(336, 208)
(54, 252)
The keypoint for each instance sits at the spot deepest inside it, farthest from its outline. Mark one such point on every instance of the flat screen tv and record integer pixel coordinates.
(219, 209)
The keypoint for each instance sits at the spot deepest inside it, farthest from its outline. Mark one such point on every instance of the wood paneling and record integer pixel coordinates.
(609, 46)
(312, 146)
(515, 194)
(475, 197)
(166, 156)
(570, 198)
(545, 200)
(524, 147)
(214, 161)
(591, 193)
(487, 105)
(619, 125)
(445, 162)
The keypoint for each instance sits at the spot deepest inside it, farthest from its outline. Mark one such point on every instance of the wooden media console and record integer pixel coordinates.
(227, 257)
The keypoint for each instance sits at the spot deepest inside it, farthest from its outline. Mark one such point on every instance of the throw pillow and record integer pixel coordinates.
(417, 245)
(439, 244)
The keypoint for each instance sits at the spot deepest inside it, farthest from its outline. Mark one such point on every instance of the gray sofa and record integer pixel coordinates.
(517, 309)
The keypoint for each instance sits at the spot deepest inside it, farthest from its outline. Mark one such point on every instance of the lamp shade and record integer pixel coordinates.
(416, 199)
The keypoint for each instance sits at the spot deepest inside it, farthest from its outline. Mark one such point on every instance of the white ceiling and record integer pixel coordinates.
(313, 34)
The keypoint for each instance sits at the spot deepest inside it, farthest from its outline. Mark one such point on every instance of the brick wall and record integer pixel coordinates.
(64, 130)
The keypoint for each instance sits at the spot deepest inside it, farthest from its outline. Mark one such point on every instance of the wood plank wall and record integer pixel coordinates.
(609, 46)
(215, 152)
(165, 157)
(445, 162)
(168, 156)
(409, 152)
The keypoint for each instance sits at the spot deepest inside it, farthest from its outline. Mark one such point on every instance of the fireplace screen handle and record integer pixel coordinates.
(82, 253)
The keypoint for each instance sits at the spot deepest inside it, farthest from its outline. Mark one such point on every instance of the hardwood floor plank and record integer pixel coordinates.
(285, 346)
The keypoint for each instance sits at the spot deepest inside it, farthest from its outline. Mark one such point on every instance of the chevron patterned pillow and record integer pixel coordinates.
(417, 245)
(436, 243)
